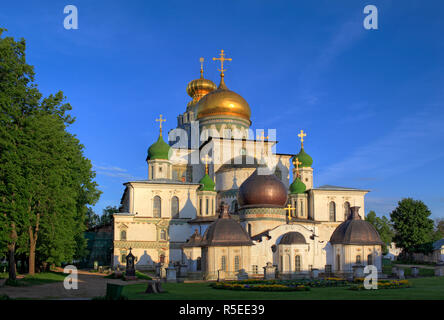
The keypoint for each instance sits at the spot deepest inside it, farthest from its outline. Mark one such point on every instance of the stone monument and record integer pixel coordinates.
(315, 273)
(130, 272)
(358, 271)
(269, 271)
(171, 273)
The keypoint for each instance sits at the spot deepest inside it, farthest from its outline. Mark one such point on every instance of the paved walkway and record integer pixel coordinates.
(90, 285)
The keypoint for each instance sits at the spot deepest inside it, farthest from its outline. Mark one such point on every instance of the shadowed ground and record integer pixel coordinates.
(89, 285)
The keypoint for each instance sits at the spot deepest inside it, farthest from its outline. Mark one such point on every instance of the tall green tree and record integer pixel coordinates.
(413, 227)
(439, 228)
(45, 181)
(92, 218)
(107, 214)
(384, 228)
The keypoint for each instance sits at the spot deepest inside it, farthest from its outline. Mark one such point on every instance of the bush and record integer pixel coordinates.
(385, 284)
(141, 275)
(255, 285)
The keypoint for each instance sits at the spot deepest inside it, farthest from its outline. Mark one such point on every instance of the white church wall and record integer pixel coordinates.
(180, 232)
(321, 200)
(144, 194)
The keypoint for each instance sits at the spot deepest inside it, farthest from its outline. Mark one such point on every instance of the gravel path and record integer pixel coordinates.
(89, 285)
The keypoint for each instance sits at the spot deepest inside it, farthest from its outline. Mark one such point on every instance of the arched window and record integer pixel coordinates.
(157, 207)
(302, 208)
(234, 206)
(207, 206)
(295, 212)
(123, 235)
(370, 259)
(282, 263)
(332, 210)
(338, 262)
(163, 235)
(175, 207)
(346, 210)
(223, 263)
(287, 266)
(199, 264)
(200, 206)
(123, 256)
(236, 263)
(297, 263)
(358, 259)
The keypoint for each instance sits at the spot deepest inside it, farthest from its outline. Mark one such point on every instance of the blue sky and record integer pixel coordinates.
(371, 101)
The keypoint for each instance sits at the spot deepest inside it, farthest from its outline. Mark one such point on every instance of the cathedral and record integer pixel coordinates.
(218, 198)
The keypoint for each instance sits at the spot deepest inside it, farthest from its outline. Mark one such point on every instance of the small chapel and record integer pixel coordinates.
(217, 198)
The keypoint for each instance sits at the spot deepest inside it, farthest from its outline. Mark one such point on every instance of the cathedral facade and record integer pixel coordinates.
(218, 198)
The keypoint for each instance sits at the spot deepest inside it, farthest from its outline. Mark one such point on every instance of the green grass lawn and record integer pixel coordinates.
(38, 278)
(422, 288)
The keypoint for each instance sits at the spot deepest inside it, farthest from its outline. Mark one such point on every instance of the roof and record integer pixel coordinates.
(355, 231)
(328, 187)
(225, 231)
(203, 219)
(124, 214)
(293, 238)
(163, 181)
(258, 237)
(262, 191)
(207, 184)
(297, 186)
(438, 244)
(159, 150)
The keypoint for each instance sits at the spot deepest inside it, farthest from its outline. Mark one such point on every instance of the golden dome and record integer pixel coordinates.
(196, 89)
(223, 102)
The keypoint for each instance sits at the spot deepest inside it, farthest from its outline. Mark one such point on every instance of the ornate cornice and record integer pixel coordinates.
(165, 245)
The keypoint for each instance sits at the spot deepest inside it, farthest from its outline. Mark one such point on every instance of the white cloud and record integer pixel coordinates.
(114, 172)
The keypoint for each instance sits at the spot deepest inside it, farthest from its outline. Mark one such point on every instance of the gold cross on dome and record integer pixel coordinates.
(201, 66)
(296, 162)
(289, 209)
(301, 135)
(160, 120)
(262, 137)
(222, 59)
(206, 159)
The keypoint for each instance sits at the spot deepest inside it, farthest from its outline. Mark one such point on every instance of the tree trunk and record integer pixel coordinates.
(31, 252)
(32, 244)
(12, 271)
(11, 249)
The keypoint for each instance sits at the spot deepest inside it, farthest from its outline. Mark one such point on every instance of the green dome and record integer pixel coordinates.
(303, 157)
(159, 150)
(297, 186)
(207, 183)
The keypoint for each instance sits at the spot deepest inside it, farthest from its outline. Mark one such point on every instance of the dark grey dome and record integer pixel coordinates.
(355, 231)
(293, 238)
(226, 232)
(262, 191)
